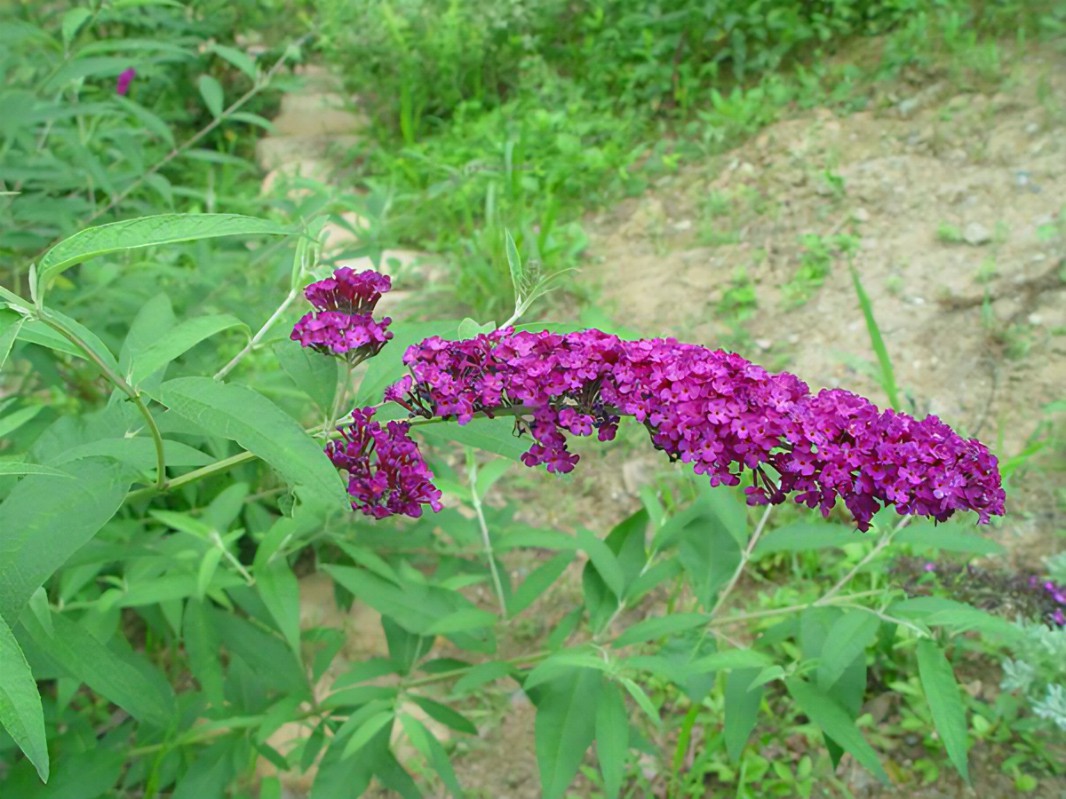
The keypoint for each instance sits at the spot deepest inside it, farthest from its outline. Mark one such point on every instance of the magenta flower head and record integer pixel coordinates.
(125, 78)
(342, 323)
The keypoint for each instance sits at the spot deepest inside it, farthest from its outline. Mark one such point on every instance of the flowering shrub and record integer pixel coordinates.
(191, 509)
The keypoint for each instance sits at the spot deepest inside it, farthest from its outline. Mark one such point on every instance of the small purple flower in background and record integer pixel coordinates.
(125, 78)
(1006, 592)
(342, 323)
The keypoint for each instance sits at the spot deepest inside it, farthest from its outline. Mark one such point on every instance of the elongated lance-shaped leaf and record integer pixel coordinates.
(945, 702)
(836, 723)
(137, 687)
(46, 518)
(176, 342)
(147, 231)
(888, 374)
(565, 726)
(261, 427)
(20, 704)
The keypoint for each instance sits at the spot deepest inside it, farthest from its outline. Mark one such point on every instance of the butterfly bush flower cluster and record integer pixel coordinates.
(386, 473)
(342, 323)
(715, 410)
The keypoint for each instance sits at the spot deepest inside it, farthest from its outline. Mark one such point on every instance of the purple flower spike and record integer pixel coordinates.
(386, 473)
(715, 410)
(125, 78)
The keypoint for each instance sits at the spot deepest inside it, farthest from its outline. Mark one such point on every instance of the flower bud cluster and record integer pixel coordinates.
(386, 473)
(342, 322)
(709, 408)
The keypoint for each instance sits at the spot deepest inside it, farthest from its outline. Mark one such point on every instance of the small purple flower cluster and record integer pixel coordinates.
(342, 322)
(996, 590)
(386, 473)
(710, 408)
(1053, 593)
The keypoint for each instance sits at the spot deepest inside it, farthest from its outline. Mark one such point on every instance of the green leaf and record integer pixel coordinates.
(21, 713)
(945, 703)
(434, 753)
(730, 659)
(10, 325)
(741, 710)
(202, 644)
(514, 265)
(45, 519)
(835, 722)
(37, 332)
(72, 23)
(490, 435)
(603, 560)
(176, 342)
(91, 340)
(17, 466)
(315, 374)
(612, 738)
(365, 734)
(150, 121)
(211, 91)
(280, 592)
(887, 376)
(643, 701)
(115, 677)
(956, 616)
(240, 414)
(539, 581)
(446, 715)
(480, 675)
(805, 536)
(209, 774)
(660, 627)
(241, 60)
(946, 537)
(564, 728)
(147, 231)
(845, 641)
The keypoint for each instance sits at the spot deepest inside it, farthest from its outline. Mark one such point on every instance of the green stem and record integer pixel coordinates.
(124, 387)
(486, 539)
(762, 614)
(744, 559)
(194, 475)
(885, 540)
(269, 323)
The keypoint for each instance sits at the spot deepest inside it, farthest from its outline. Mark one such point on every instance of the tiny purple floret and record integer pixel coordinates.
(125, 78)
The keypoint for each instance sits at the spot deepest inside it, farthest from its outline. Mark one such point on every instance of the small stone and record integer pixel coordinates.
(1032, 128)
(908, 106)
(976, 234)
(860, 215)
(764, 344)
(636, 474)
(1035, 319)
(683, 224)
